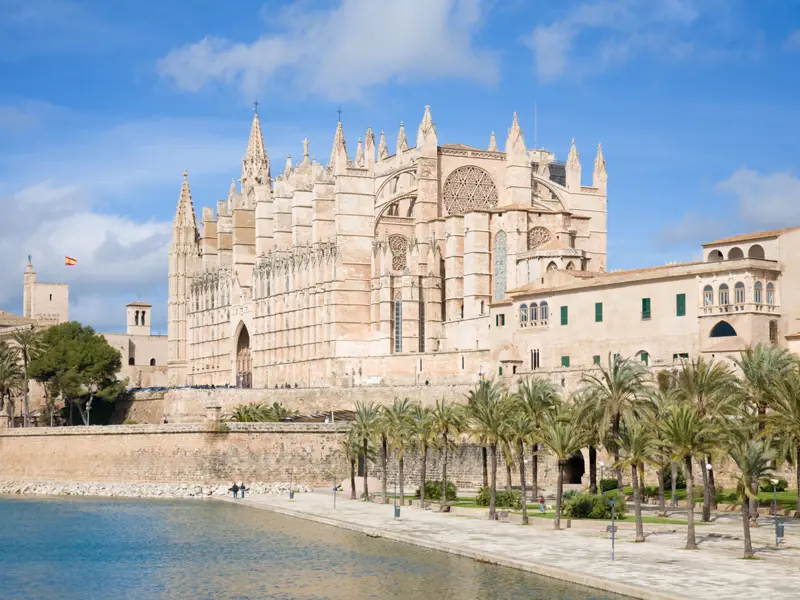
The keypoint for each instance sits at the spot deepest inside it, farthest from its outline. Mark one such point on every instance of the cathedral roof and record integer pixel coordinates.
(748, 237)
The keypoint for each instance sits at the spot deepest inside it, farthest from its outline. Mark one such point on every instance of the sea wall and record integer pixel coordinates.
(184, 453)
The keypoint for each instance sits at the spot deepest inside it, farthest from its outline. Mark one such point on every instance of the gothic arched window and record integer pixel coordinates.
(500, 252)
(468, 188)
(398, 245)
(398, 323)
(538, 236)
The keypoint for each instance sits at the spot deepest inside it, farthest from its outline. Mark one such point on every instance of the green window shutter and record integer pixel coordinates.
(680, 305)
(501, 371)
(596, 359)
(598, 312)
(565, 361)
(645, 308)
(564, 315)
(645, 358)
(497, 320)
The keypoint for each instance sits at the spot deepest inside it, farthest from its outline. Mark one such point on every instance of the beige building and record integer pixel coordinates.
(377, 267)
(144, 356)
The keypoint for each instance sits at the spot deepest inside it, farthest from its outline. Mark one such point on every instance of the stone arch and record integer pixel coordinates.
(570, 266)
(755, 251)
(244, 364)
(552, 266)
(468, 188)
(152, 362)
(546, 183)
(715, 256)
(735, 253)
(574, 469)
(722, 329)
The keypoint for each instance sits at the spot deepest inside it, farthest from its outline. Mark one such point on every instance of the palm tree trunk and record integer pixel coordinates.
(637, 503)
(423, 474)
(797, 482)
(748, 544)
(384, 466)
(508, 474)
(400, 483)
(493, 483)
(485, 464)
(25, 409)
(521, 447)
(754, 505)
(559, 493)
(535, 473)
(642, 491)
(662, 508)
(712, 485)
(11, 409)
(443, 502)
(691, 543)
(706, 494)
(592, 469)
(615, 437)
(352, 479)
(674, 472)
(366, 469)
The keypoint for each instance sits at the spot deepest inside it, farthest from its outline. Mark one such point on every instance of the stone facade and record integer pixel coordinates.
(144, 356)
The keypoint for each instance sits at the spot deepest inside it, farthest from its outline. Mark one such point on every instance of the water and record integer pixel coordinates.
(86, 549)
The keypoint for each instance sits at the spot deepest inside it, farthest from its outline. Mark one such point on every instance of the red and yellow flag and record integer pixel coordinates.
(70, 262)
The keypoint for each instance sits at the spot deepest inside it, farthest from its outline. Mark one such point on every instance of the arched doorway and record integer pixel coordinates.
(244, 376)
(574, 469)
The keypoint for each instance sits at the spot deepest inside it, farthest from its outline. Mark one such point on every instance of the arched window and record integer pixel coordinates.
(735, 253)
(398, 323)
(523, 313)
(500, 251)
(738, 293)
(724, 297)
(715, 256)
(468, 188)
(131, 361)
(757, 292)
(152, 362)
(723, 329)
(570, 266)
(551, 267)
(756, 251)
(534, 312)
(770, 294)
(543, 311)
(708, 296)
(137, 318)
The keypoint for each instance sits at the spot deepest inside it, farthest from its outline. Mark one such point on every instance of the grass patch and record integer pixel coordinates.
(533, 512)
(787, 500)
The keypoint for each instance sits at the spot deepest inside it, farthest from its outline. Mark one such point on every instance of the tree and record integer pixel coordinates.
(475, 398)
(783, 420)
(635, 441)
(659, 402)
(487, 421)
(399, 427)
(563, 437)
(687, 435)
(590, 417)
(364, 427)
(10, 378)
(79, 365)
(753, 459)
(519, 431)
(29, 346)
(615, 391)
(351, 448)
(537, 397)
(424, 435)
(448, 421)
(382, 433)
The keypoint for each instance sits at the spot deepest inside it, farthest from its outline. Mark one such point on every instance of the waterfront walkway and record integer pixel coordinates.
(656, 570)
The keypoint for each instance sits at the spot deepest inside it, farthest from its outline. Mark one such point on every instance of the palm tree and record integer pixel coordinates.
(635, 441)
(563, 437)
(660, 400)
(399, 426)
(382, 432)
(590, 417)
(707, 386)
(29, 346)
(537, 397)
(615, 391)
(687, 435)
(351, 448)
(424, 436)
(476, 397)
(783, 420)
(520, 430)
(10, 378)
(448, 421)
(364, 427)
(487, 420)
(753, 459)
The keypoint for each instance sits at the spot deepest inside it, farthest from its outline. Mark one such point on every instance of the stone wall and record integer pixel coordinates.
(185, 453)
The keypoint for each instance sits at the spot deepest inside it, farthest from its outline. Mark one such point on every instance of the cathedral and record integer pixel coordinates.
(381, 267)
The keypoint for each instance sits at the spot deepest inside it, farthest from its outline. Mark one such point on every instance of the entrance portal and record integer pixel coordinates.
(244, 376)
(574, 469)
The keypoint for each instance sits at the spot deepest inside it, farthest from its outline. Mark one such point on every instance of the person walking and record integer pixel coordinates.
(541, 503)
(242, 489)
(235, 490)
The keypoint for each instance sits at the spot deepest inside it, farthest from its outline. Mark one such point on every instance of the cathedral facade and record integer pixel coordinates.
(379, 267)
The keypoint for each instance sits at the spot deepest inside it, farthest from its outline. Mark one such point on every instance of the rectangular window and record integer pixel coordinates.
(679, 355)
(645, 308)
(645, 358)
(598, 312)
(565, 361)
(501, 371)
(680, 305)
(564, 315)
(499, 320)
(596, 359)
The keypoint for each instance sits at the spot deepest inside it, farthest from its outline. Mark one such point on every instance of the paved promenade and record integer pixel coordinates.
(656, 570)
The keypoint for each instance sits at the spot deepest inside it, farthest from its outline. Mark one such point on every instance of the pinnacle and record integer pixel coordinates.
(492, 143)
(402, 142)
(184, 215)
(255, 145)
(338, 144)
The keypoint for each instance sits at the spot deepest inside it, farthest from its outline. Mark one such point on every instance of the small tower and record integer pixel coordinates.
(338, 161)
(402, 142)
(138, 318)
(427, 140)
(599, 175)
(573, 169)
(29, 282)
(383, 150)
(492, 143)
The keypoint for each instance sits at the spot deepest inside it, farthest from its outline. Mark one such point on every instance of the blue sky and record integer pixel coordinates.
(103, 104)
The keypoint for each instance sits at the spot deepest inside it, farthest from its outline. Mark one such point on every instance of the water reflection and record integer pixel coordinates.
(84, 549)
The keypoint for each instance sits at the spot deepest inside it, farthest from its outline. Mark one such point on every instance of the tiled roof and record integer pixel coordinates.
(137, 303)
(747, 237)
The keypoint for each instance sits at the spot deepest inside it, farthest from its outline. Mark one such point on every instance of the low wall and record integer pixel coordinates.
(186, 453)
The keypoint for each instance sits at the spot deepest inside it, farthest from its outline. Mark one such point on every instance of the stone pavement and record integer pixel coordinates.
(656, 570)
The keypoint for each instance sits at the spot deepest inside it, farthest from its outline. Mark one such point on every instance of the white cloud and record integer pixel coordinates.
(690, 229)
(765, 200)
(338, 53)
(792, 42)
(597, 34)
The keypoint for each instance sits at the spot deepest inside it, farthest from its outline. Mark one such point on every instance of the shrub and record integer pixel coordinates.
(608, 484)
(651, 491)
(592, 506)
(502, 499)
(568, 494)
(621, 509)
(781, 486)
(580, 506)
(433, 491)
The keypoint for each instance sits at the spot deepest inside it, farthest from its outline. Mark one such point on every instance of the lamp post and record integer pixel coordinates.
(613, 503)
(711, 492)
(396, 509)
(775, 509)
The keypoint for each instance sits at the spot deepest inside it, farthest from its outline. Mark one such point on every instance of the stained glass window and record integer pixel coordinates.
(500, 252)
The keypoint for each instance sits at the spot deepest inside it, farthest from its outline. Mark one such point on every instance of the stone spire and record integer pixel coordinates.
(288, 168)
(426, 133)
(383, 151)
(255, 164)
(369, 147)
(573, 169)
(339, 146)
(492, 143)
(599, 175)
(515, 142)
(402, 142)
(573, 157)
(360, 154)
(232, 191)
(184, 215)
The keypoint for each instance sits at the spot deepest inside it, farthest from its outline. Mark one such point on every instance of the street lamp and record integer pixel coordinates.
(396, 508)
(612, 503)
(778, 527)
